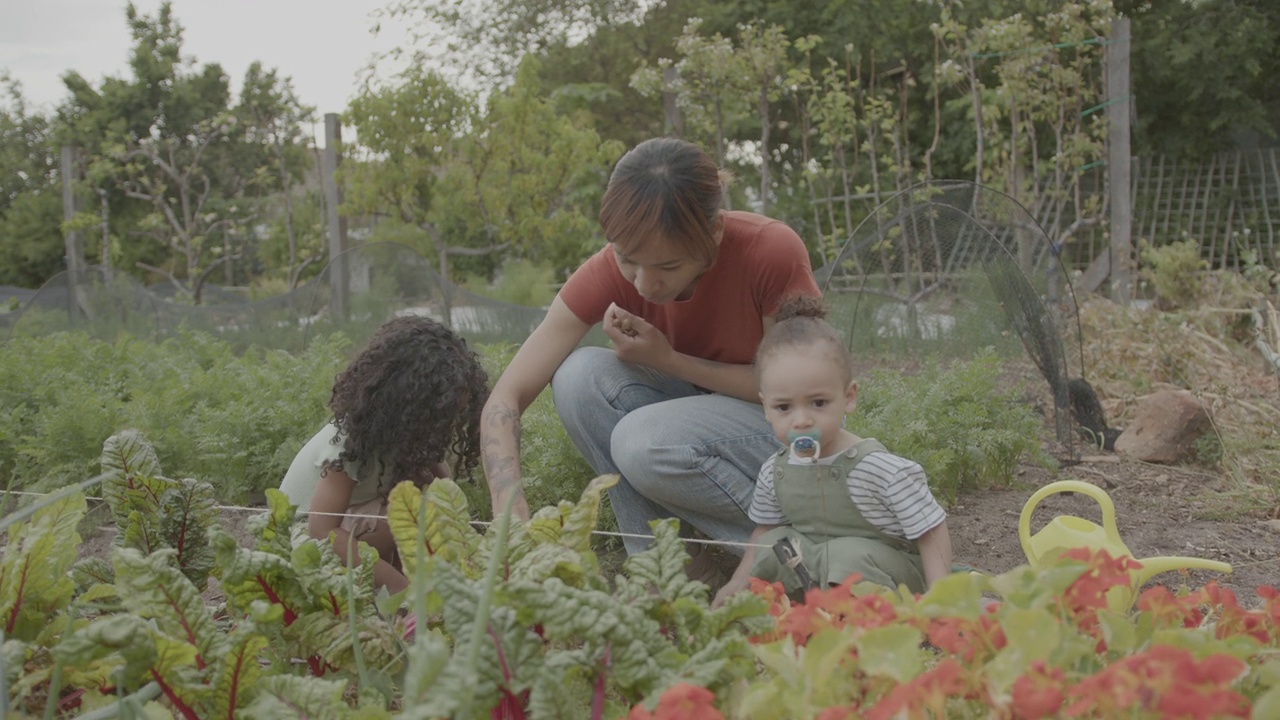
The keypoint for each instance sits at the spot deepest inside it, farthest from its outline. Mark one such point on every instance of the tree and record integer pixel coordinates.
(528, 178)
(406, 135)
(1203, 70)
(31, 243)
(174, 162)
(516, 179)
(274, 118)
(486, 40)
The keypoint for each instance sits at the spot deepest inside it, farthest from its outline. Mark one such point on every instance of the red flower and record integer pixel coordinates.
(681, 702)
(1167, 680)
(1038, 692)
(929, 689)
(1170, 611)
(967, 638)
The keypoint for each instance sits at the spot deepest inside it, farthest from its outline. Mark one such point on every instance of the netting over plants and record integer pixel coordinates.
(355, 293)
(945, 269)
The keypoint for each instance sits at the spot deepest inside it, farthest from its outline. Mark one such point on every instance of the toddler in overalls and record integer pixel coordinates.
(841, 503)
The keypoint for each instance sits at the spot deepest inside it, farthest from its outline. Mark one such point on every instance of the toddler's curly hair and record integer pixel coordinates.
(801, 323)
(411, 397)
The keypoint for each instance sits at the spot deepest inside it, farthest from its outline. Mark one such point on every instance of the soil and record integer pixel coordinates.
(1160, 511)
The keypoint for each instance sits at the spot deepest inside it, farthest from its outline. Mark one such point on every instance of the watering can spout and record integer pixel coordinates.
(1153, 566)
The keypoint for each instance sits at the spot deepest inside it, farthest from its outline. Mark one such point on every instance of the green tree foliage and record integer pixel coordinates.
(589, 74)
(1202, 71)
(275, 119)
(179, 170)
(528, 178)
(514, 178)
(407, 131)
(31, 246)
(487, 39)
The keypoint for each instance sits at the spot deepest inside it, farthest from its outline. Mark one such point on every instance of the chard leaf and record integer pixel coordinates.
(35, 580)
(90, 572)
(545, 561)
(127, 639)
(566, 682)
(131, 466)
(153, 512)
(660, 569)
(290, 696)
(329, 636)
(182, 681)
(134, 489)
(582, 518)
(447, 530)
(434, 683)
(547, 524)
(239, 672)
(158, 590)
(249, 575)
(640, 654)
(187, 514)
(273, 530)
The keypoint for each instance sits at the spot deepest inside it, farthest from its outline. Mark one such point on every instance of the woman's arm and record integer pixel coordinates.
(935, 552)
(528, 374)
(643, 344)
(332, 498)
(741, 578)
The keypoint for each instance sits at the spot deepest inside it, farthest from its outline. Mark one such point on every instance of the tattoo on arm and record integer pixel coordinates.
(502, 459)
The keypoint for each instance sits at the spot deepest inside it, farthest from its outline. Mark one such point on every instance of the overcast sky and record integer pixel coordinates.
(321, 44)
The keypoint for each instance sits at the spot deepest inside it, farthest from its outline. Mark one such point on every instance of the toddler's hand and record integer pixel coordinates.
(731, 588)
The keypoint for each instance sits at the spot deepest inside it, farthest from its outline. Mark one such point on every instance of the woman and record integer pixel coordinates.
(685, 290)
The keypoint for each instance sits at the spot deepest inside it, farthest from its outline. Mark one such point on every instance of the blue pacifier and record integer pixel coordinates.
(804, 445)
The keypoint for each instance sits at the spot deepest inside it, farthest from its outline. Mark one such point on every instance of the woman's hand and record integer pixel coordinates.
(635, 340)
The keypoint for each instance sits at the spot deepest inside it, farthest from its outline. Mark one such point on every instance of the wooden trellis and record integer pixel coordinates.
(1229, 204)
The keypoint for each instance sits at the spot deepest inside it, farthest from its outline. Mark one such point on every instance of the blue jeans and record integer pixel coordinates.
(681, 452)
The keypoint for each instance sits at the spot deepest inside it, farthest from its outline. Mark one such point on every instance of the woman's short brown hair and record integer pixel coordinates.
(667, 187)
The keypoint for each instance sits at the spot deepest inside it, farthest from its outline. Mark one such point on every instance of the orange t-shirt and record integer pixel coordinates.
(760, 261)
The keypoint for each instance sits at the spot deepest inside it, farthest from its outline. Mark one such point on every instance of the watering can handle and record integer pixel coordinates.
(1064, 486)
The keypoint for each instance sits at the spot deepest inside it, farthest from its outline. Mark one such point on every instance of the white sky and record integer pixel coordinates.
(321, 44)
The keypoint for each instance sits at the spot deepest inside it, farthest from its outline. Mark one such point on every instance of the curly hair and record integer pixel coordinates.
(411, 397)
(801, 323)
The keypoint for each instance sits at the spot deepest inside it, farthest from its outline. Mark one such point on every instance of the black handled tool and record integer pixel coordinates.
(789, 556)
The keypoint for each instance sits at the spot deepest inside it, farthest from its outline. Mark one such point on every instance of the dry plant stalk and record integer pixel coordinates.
(1130, 353)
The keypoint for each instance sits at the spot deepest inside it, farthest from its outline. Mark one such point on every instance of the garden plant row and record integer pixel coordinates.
(520, 622)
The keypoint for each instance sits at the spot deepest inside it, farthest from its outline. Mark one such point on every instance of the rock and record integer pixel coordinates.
(1274, 525)
(1164, 427)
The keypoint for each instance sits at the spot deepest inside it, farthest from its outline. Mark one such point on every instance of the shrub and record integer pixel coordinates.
(960, 423)
(519, 282)
(1174, 271)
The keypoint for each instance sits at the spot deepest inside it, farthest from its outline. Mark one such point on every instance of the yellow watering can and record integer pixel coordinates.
(1068, 531)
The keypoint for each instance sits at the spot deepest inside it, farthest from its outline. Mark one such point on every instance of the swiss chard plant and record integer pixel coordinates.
(517, 621)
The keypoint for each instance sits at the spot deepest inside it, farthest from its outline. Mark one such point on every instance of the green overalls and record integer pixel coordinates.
(833, 537)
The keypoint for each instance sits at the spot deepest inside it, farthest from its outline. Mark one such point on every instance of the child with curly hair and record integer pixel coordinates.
(410, 398)
(844, 502)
